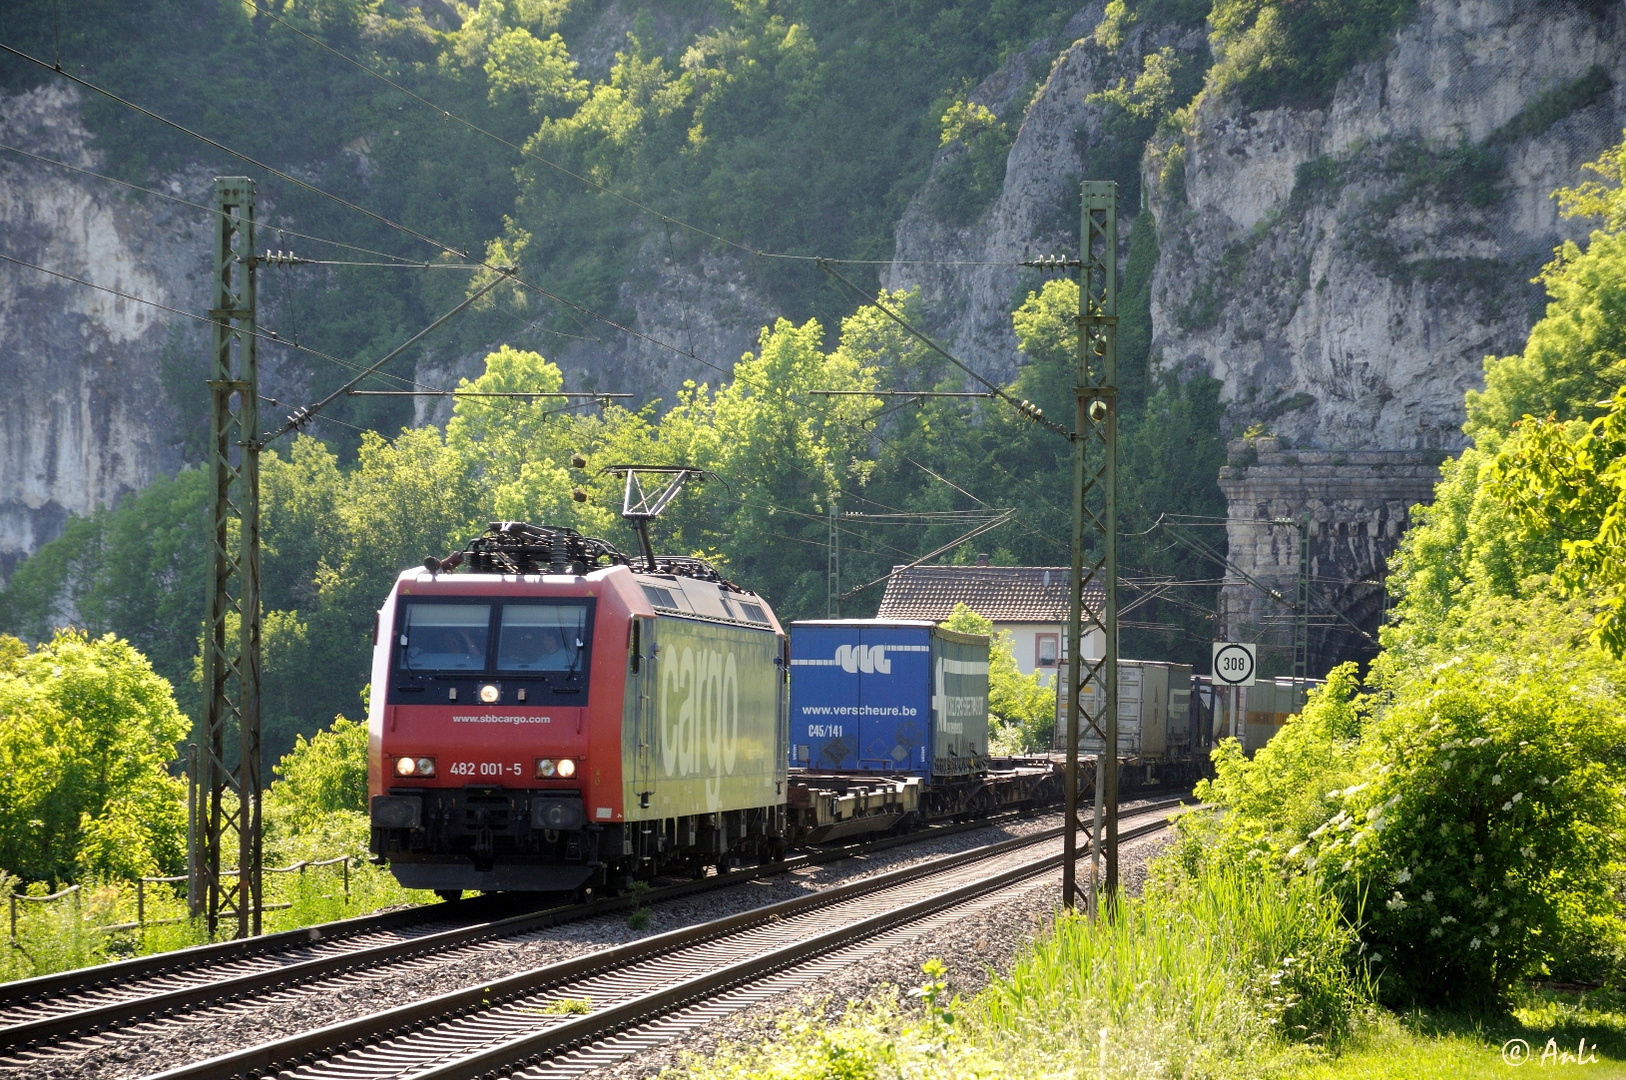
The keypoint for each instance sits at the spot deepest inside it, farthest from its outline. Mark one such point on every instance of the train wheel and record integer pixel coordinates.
(449, 895)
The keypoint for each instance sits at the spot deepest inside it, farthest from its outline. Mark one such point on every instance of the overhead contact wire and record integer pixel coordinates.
(257, 334)
(208, 209)
(1023, 407)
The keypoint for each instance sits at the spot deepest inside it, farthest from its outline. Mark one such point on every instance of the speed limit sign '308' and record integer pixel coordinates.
(1234, 663)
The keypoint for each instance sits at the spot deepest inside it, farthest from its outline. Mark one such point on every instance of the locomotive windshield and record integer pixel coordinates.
(538, 637)
(529, 637)
(445, 637)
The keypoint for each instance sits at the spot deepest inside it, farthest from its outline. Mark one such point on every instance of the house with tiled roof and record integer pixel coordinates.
(1028, 602)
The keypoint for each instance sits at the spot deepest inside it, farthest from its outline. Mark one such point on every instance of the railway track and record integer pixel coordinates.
(41, 1011)
(570, 1017)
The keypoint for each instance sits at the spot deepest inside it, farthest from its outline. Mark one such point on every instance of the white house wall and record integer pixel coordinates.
(1024, 644)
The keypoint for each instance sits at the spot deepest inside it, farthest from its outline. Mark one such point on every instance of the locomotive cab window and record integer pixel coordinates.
(445, 637)
(545, 640)
(542, 637)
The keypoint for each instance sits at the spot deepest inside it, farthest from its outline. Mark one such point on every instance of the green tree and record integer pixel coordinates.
(1278, 797)
(783, 453)
(516, 453)
(1021, 709)
(1575, 358)
(1481, 834)
(537, 70)
(1281, 52)
(136, 572)
(1541, 495)
(324, 775)
(87, 730)
(1567, 487)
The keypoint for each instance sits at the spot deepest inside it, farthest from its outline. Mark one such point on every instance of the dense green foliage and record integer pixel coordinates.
(87, 732)
(324, 775)
(720, 114)
(1468, 809)
(1484, 826)
(1281, 52)
(134, 571)
(1469, 814)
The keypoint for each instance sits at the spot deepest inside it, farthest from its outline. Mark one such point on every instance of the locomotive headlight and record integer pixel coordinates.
(426, 766)
(567, 768)
(411, 766)
(489, 693)
(545, 768)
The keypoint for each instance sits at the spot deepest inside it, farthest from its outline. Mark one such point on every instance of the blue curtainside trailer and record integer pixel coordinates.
(893, 696)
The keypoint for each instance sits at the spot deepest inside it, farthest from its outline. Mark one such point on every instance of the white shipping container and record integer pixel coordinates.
(1154, 711)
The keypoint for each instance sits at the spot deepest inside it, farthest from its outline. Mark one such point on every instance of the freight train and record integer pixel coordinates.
(550, 714)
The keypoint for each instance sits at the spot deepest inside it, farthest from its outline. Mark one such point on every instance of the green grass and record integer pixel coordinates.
(60, 935)
(1433, 1047)
(1235, 977)
(1225, 976)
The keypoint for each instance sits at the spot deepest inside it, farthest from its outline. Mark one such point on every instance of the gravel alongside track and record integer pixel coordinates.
(155, 1045)
(973, 950)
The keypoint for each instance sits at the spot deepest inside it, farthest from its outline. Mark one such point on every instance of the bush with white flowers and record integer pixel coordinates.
(1479, 841)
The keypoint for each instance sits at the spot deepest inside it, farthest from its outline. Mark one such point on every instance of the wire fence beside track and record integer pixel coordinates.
(73, 894)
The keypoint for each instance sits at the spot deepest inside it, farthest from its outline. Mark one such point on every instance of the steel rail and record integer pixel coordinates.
(41, 987)
(192, 978)
(529, 1052)
(411, 1021)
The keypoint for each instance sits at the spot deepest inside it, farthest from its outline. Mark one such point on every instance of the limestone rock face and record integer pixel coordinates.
(84, 417)
(102, 393)
(1344, 271)
(968, 277)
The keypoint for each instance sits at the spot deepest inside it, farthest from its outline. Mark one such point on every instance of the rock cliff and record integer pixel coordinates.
(102, 393)
(85, 416)
(1343, 270)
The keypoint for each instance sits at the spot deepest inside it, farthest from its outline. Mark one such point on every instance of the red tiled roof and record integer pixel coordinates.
(1004, 594)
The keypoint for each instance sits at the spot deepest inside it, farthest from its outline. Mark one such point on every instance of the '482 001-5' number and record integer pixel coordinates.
(486, 768)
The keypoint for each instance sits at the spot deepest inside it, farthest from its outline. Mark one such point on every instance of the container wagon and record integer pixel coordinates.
(1155, 722)
(889, 725)
(1267, 705)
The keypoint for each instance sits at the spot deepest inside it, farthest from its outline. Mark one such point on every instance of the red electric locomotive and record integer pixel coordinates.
(549, 714)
